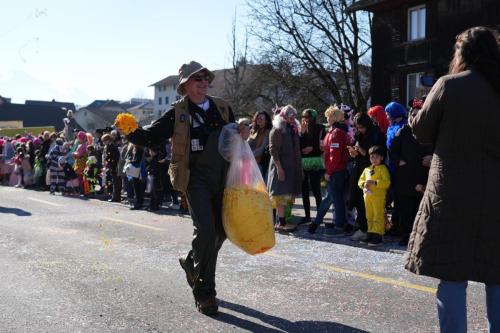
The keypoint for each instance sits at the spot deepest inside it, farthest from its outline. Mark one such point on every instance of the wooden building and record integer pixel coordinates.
(412, 41)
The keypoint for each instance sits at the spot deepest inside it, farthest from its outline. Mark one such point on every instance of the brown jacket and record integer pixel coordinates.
(284, 146)
(456, 234)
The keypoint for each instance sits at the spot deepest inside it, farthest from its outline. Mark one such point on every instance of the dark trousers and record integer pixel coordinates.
(128, 187)
(117, 186)
(156, 194)
(313, 178)
(359, 204)
(138, 191)
(206, 211)
(407, 210)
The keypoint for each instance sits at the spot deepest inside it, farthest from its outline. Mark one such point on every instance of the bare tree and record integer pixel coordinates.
(236, 79)
(320, 38)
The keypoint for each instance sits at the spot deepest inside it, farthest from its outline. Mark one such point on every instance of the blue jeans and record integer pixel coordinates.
(335, 194)
(452, 306)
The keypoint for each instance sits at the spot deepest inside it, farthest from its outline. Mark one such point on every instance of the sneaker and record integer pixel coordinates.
(312, 228)
(375, 240)
(174, 206)
(329, 225)
(335, 232)
(289, 227)
(208, 306)
(366, 239)
(188, 269)
(358, 235)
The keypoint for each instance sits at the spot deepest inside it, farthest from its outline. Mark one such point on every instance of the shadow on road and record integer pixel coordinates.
(279, 324)
(15, 211)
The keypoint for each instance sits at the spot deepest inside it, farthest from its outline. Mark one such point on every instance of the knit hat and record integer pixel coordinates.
(310, 111)
(188, 70)
(395, 110)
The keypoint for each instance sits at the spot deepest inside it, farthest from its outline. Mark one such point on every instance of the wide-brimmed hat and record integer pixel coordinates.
(187, 70)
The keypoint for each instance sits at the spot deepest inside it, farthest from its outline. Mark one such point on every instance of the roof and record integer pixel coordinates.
(68, 106)
(144, 105)
(101, 104)
(33, 115)
(373, 5)
(172, 79)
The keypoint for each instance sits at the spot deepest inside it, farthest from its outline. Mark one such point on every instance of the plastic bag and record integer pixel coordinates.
(246, 208)
(227, 137)
(149, 184)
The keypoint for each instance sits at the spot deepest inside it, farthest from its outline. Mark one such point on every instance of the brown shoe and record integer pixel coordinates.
(188, 269)
(208, 306)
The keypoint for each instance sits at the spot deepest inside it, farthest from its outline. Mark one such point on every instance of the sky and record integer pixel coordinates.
(79, 51)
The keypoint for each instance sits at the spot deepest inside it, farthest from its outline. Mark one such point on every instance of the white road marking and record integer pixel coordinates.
(132, 223)
(45, 202)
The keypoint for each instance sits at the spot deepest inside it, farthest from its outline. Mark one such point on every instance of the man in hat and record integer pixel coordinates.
(197, 169)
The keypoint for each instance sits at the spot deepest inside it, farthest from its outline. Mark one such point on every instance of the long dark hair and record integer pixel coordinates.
(312, 114)
(478, 48)
(255, 127)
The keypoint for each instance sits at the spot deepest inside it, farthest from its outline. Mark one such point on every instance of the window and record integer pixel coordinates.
(416, 23)
(159, 100)
(166, 100)
(413, 86)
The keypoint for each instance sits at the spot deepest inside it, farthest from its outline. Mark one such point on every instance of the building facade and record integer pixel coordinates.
(165, 94)
(412, 41)
(98, 114)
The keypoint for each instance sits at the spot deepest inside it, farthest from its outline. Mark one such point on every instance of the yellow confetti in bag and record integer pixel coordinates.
(246, 209)
(247, 219)
(126, 123)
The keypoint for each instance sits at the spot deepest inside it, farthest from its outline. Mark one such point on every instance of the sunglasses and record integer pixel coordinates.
(199, 78)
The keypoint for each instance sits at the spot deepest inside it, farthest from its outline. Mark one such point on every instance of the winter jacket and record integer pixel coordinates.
(313, 140)
(335, 144)
(284, 146)
(406, 148)
(455, 234)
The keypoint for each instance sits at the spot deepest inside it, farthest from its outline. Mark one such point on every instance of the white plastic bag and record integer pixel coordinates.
(247, 210)
(149, 184)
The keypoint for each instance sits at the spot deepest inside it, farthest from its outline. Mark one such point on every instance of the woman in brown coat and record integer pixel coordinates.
(285, 169)
(456, 233)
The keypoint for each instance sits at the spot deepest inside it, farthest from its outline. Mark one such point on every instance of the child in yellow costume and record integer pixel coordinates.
(374, 181)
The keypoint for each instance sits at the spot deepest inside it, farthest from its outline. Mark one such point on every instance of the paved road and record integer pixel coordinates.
(73, 265)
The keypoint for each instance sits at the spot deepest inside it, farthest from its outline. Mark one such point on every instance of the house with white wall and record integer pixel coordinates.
(165, 94)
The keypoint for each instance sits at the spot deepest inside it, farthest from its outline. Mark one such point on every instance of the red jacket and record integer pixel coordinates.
(335, 144)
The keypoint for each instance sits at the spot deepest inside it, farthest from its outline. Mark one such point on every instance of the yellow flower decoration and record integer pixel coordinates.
(126, 123)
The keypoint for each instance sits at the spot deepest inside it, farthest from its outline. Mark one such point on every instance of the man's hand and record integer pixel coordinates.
(426, 161)
(420, 188)
(402, 163)
(327, 177)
